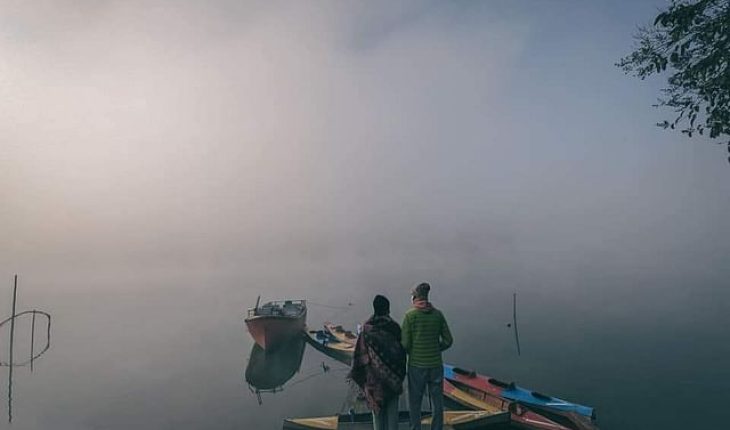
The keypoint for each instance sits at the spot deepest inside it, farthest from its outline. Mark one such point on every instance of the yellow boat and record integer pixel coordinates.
(330, 346)
(453, 420)
(340, 333)
(464, 399)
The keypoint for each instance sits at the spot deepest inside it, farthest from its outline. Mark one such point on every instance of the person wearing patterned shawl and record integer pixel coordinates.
(379, 365)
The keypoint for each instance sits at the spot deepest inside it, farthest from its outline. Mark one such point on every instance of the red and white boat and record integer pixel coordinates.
(274, 323)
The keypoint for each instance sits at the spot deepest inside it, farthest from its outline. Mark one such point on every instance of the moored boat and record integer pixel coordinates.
(340, 333)
(324, 342)
(569, 414)
(456, 420)
(520, 416)
(274, 323)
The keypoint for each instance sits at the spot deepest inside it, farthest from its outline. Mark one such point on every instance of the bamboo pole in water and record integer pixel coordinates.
(12, 335)
(32, 340)
(514, 321)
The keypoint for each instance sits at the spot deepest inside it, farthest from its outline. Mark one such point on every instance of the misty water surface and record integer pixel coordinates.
(164, 351)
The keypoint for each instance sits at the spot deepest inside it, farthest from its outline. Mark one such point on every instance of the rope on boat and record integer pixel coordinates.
(349, 305)
(323, 370)
(334, 317)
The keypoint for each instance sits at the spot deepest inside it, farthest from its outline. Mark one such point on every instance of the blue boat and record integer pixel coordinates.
(328, 344)
(513, 392)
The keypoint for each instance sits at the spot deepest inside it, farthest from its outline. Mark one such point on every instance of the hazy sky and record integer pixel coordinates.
(162, 163)
(202, 133)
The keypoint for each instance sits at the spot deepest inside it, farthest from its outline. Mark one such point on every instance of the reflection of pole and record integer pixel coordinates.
(45, 348)
(514, 320)
(10, 368)
(32, 340)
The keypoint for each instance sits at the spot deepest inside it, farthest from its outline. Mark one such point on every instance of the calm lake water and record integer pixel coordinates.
(167, 349)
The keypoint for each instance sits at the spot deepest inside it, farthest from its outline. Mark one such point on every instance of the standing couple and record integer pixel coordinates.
(379, 364)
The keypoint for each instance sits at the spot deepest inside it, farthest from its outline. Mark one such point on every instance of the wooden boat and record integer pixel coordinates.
(571, 415)
(456, 420)
(340, 333)
(520, 416)
(273, 323)
(329, 345)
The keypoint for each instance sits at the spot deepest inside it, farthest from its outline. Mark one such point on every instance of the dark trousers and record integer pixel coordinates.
(419, 380)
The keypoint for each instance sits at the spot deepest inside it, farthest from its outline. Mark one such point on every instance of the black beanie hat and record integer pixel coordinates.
(381, 305)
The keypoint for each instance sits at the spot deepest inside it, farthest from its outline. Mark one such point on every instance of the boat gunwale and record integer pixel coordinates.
(274, 317)
(301, 304)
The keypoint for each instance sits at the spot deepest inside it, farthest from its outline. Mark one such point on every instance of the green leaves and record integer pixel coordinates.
(690, 40)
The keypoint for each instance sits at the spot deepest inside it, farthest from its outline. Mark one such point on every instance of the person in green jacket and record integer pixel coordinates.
(425, 334)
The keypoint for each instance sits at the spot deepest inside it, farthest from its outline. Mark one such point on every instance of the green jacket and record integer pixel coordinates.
(424, 335)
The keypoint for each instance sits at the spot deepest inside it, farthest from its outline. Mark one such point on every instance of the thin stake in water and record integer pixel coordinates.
(32, 340)
(10, 368)
(514, 320)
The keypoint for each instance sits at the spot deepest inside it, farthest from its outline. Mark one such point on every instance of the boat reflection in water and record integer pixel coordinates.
(268, 371)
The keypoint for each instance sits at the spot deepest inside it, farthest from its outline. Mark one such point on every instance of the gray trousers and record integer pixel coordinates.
(387, 417)
(419, 380)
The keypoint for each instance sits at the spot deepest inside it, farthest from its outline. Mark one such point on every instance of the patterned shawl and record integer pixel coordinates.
(379, 363)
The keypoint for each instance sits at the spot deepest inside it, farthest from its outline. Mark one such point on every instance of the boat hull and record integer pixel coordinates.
(269, 331)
